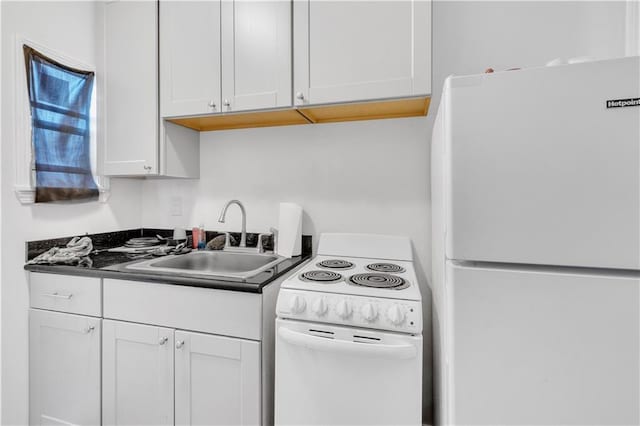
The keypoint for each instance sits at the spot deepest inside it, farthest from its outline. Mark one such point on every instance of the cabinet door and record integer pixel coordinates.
(217, 380)
(64, 369)
(256, 54)
(189, 57)
(358, 50)
(131, 98)
(137, 374)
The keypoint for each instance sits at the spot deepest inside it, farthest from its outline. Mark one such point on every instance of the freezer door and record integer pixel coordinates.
(329, 376)
(540, 171)
(543, 348)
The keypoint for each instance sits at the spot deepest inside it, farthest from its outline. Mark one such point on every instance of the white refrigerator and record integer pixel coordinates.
(536, 257)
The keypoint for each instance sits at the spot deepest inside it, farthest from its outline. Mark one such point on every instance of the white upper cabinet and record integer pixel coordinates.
(256, 54)
(221, 56)
(64, 369)
(218, 380)
(131, 87)
(346, 51)
(189, 57)
(136, 142)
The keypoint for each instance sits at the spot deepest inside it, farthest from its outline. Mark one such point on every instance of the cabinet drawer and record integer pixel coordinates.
(230, 313)
(64, 293)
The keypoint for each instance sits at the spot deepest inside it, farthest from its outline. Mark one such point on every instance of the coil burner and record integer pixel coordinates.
(335, 264)
(379, 281)
(322, 277)
(385, 267)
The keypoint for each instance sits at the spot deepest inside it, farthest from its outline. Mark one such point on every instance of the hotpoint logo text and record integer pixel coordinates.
(621, 103)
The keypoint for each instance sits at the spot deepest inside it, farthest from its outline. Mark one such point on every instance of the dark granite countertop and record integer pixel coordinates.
(105, 264)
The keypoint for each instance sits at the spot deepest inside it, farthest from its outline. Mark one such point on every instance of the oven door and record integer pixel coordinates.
(331, 375)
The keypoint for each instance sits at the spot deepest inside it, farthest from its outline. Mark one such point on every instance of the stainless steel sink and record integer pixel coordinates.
(211, 263)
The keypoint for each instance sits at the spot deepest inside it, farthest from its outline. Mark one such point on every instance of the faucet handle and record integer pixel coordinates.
(227, 240)
(260, 246)
(274, 231)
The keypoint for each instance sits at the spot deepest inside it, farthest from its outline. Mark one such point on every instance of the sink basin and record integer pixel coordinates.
(211, 263)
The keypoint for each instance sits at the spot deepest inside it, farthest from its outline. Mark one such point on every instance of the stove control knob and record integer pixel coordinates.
(319, 307)
(369, 312)
(396, 315)
(343, 309)
(297, 304)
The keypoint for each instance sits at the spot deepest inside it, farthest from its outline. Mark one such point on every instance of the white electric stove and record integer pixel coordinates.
(349, 336)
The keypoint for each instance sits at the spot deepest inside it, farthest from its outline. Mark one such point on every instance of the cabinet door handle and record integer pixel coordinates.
(212, 104)
(59, 296)
(89, 329)
(163, 340)
(179, 344)
(227, 103)
(147, 168)
(300, 96)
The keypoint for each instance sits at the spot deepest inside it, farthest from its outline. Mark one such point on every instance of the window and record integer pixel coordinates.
(60, 102)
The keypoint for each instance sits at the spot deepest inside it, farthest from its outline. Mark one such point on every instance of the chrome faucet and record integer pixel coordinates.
(243, 236)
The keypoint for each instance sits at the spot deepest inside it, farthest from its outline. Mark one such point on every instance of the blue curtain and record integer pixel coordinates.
(60, 99)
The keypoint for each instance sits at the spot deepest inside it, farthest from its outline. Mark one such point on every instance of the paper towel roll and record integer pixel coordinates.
(289, 230)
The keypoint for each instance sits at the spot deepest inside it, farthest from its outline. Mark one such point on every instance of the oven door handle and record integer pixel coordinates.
(377, 350)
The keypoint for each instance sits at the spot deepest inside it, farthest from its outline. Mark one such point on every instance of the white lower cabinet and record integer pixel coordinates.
(137, 374)
(64, 369)
(153, 372)
(217, 380)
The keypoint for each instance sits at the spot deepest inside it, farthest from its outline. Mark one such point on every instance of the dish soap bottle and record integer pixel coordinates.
(195, 237)
(202, 238)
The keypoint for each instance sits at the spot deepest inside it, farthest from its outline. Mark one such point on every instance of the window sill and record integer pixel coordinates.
(27, 195)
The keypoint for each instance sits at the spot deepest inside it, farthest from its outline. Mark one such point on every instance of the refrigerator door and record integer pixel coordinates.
(541, 347)
(540, 171)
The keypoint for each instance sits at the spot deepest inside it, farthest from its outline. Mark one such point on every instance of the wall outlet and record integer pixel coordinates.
(175, 206)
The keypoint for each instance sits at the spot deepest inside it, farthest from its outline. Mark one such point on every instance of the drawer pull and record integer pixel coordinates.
(163, 340)
(59, 296)
(89, 329)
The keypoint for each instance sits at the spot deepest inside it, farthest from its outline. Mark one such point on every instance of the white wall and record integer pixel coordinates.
(471, 36)
(73, 29)
(374, 176)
